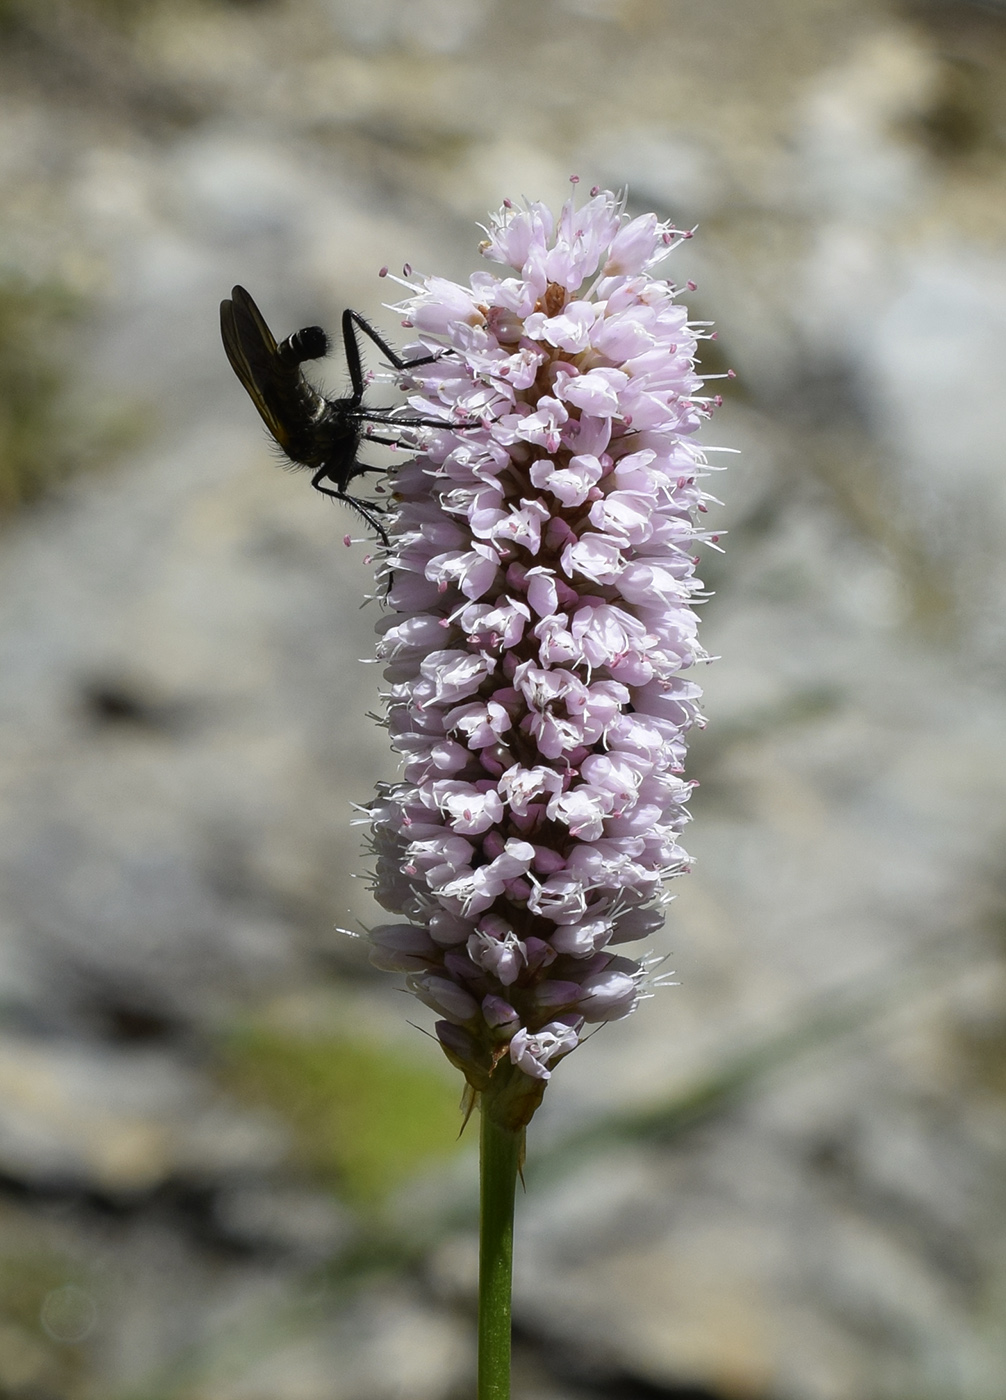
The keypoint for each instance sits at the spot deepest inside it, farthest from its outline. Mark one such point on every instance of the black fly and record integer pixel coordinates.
(316, 432)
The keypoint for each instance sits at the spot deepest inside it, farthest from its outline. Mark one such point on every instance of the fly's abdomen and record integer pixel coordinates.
(311, 343)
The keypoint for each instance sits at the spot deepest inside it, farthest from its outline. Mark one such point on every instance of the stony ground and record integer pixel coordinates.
(782, 1179)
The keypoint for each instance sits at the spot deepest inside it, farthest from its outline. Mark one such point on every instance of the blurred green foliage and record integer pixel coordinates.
(44, 436)
(48, 15)
(365, 1117)
(25, 1279)
(31, 1362)
(33, 438)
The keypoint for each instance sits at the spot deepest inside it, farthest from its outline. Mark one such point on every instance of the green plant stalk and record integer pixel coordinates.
(500, 1149)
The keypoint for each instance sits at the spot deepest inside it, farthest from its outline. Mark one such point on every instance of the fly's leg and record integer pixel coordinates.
(396, 442)
(351, 320)
(368, 512)
(384, 416)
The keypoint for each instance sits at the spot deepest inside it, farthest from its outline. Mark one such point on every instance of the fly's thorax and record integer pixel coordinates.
(339, 425)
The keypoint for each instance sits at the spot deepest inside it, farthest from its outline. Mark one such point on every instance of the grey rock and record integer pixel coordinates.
(119, 1122)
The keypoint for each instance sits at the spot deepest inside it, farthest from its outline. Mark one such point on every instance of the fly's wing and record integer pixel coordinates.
(279, 391)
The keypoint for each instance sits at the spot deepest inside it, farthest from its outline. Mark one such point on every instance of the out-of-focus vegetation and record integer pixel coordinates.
(34, 438)
(46, 15)
(364, 1116)
(46, 433)
(39, 1355)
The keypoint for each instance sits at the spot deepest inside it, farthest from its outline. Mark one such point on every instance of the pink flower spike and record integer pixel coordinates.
(541, 637)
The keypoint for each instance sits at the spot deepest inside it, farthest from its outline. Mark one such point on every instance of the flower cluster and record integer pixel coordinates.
(540, 639)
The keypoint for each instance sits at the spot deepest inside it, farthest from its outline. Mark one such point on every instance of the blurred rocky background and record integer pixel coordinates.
(229, 1167)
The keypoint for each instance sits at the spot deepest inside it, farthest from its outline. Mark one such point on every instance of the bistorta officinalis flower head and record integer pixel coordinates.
(541, 642)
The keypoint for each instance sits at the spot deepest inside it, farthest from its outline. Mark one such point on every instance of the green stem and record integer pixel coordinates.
(500, 1148)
